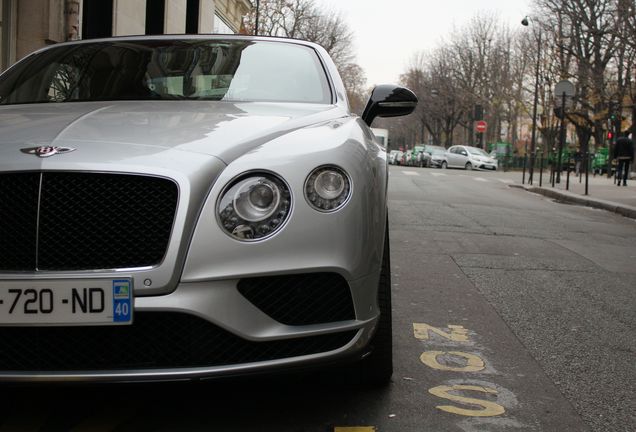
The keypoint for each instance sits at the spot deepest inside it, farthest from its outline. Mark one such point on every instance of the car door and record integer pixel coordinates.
(462, 157)
(450, 156)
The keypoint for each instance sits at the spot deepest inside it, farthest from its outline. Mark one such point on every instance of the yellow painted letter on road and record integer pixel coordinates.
(457, 333)
(488, 409)
(473, 363)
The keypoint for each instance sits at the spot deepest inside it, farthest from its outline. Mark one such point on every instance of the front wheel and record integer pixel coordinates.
(377, 368)
(444, 165)
(468, 166)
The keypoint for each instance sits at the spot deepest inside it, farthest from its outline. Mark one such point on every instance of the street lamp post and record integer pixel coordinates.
(534, 105)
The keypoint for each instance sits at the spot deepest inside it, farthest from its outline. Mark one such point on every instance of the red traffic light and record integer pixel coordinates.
(610, 135)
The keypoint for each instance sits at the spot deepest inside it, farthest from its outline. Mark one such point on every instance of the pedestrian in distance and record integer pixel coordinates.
(577, 161)
(624, 154)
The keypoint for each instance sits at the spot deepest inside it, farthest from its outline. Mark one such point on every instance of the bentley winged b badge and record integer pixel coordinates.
(46, 151)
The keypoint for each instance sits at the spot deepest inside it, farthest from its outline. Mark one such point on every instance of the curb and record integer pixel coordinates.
(568, 197)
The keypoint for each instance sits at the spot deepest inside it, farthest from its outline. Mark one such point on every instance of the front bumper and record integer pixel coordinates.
(201, 330)
(487, 166)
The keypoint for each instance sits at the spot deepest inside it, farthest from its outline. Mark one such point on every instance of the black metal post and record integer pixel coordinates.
(561, 140)
(567, 178)
(534, 110)
(587, 166)
(551, 160)
(256, 23)
(525, 156)
(541, 172)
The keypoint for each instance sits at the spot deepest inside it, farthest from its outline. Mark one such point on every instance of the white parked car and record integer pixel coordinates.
(190, 206)
(467, 157)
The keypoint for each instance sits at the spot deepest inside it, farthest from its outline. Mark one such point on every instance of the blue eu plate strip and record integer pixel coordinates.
(122, 304)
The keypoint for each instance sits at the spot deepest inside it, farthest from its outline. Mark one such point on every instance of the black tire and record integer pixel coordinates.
(468, 166)
(377, 368)
(444, 165)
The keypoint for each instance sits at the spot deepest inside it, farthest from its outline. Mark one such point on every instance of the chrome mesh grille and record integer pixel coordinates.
(84, 221)
(302, 299)
(155, 340)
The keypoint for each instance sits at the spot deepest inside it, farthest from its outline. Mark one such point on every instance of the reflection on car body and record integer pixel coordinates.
(221, 212)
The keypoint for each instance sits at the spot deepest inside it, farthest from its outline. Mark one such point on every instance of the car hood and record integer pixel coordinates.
(120, 131)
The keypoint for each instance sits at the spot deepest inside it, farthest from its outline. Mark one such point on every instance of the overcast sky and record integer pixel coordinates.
(389, 32)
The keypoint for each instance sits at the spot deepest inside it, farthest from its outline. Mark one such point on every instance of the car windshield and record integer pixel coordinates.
(228, 70)
(477, 152)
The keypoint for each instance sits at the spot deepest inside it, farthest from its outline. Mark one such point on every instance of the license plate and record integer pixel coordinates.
(66, 302)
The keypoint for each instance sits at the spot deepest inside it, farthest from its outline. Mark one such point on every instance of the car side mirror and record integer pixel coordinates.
(464, 153)
(389, 100)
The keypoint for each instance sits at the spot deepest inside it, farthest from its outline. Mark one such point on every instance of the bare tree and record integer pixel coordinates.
(303, 19)
(591, 42)
(587, 36)
(474, 68)
(355, 82)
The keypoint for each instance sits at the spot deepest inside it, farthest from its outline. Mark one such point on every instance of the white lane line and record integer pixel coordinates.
(436, 174)
(507, 181)
(411, 173)
(481, 179)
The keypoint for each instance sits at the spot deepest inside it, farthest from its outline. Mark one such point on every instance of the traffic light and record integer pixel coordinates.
(610, 135)
(479, 112)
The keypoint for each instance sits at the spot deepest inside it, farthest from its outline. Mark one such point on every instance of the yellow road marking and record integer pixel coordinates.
(490, 409)
(456, 333)
(473, 363)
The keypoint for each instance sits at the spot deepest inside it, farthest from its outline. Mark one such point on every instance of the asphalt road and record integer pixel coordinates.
(511, 313)
(547, 289)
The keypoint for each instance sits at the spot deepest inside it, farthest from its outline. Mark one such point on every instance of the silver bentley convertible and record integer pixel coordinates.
(190, 207)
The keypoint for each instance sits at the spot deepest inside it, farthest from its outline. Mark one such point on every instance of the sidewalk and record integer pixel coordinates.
(602, 192)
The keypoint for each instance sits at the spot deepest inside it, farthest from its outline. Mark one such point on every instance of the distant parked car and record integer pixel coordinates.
(417, 157)
(394, 157)
(469, 158)
(421, 158)
(437, 155)
(406, 158)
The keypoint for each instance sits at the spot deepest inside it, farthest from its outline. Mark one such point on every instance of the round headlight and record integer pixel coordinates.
(256, 199)
(254, 206)
(327, 188)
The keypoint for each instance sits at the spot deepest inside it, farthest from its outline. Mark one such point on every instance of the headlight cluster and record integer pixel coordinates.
(327, 188)
(254, 206)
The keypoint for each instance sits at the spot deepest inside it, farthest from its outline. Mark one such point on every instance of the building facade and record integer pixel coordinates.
(27, 25)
